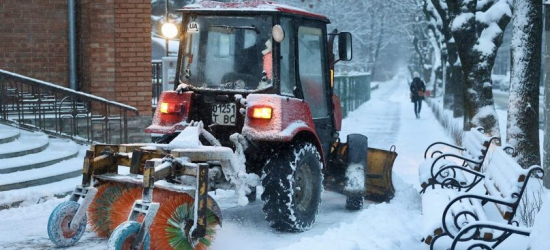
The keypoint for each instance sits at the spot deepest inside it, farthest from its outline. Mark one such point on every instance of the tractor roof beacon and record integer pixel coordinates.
(254, 106)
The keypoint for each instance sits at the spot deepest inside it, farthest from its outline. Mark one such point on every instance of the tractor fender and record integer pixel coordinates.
(291, 120)
(289, 116)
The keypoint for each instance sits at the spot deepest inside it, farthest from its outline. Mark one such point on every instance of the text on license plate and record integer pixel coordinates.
(224, 114)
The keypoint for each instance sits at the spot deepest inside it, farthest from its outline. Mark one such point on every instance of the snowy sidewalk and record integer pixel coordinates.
(387, 119)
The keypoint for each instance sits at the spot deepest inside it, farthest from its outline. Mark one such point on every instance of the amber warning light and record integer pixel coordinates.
(261, 112)
(167, 107)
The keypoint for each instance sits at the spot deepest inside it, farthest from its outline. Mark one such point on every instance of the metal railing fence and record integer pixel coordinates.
(35, 104)
(353, 90)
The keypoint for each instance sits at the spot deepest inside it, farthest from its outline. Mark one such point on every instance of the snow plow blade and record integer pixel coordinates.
(379, 174)
(378, 171)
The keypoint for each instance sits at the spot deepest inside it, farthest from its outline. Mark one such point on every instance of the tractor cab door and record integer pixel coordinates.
(313, 77)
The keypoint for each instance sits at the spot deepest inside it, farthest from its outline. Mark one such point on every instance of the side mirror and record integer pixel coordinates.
(344, 46)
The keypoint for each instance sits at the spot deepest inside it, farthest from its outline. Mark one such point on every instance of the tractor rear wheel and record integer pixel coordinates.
(292, 182)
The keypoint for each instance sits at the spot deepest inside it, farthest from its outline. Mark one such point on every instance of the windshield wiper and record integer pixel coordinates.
(238, 27)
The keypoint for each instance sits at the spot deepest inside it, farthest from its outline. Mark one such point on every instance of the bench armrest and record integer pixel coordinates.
(451, 156)
(506, 229)
(443, 172)
(450, 180)
(441, 143)
(482, 198)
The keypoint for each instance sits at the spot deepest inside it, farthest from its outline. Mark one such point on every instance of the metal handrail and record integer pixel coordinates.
(353, 90)
(35, 104)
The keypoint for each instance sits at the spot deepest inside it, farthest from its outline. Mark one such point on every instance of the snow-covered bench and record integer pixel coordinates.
(486, 218)
(447, 168)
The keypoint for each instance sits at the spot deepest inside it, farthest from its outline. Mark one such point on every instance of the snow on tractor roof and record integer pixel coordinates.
(267, 6)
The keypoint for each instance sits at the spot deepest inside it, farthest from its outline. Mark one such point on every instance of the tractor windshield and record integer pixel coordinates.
(227, 52)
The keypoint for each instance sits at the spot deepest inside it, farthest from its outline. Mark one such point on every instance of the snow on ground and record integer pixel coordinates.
(386, 120)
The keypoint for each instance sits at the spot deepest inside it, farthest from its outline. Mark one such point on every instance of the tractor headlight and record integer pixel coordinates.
(169, 30)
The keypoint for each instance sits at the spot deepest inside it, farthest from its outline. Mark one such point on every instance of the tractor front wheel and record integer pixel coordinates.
(292, 182)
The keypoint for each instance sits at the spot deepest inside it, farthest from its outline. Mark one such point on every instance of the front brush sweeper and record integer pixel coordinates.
(254, 106)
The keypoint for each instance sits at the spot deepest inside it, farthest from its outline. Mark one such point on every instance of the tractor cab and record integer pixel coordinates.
(231, 50)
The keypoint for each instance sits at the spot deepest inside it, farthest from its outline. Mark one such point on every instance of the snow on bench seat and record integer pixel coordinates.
(434, 203)
(504, 178)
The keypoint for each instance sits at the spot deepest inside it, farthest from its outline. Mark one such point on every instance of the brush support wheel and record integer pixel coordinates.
(123, 237)
(59, 230)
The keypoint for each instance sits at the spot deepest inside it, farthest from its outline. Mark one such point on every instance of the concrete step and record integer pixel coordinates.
(27, 143)
(34, 166)
(57, 151)
(40, 176)
(8, 134)
(37, 194)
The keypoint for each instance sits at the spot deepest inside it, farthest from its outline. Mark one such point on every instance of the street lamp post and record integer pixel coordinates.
(169, 30)
(166, 18)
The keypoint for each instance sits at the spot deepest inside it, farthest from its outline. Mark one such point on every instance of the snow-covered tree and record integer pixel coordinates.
(477, 27)
(365, 20)
(375, 26)
(420, 59)
(454, 97)
(523, 108)
(437, 41)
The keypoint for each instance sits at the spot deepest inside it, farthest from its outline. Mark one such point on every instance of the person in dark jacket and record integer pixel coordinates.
(417, 93)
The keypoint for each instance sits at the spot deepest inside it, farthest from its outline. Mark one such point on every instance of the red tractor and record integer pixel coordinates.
(254, 107)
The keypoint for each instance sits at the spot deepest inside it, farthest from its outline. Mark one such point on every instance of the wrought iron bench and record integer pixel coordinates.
(469, 216)
(447, 168)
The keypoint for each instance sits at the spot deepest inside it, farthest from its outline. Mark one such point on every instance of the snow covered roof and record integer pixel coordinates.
(263, 6)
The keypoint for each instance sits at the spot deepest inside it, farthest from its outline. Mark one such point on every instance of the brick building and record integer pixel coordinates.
(113, 44)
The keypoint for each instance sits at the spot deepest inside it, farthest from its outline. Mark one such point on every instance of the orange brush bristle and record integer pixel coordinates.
(165, 231)
(115, 204)
(100, 209)
(122, 206)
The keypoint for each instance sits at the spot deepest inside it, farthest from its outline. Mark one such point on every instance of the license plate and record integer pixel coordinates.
(224, 114)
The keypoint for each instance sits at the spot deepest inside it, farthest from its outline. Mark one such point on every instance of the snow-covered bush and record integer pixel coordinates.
(452, 126)
(531, 203)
